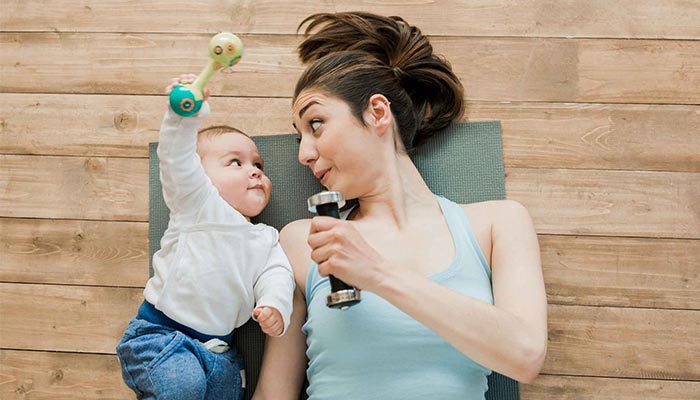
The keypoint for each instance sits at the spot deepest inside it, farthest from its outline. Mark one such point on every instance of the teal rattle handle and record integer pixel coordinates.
(225, 51)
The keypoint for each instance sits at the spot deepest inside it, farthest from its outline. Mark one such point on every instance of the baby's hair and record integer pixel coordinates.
(218, 130)
(355, 55)
(206, 134)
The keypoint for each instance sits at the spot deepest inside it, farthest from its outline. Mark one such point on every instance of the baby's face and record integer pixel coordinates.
(233, 164)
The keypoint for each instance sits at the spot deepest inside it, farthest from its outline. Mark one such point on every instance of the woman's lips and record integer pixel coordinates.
(322, 175)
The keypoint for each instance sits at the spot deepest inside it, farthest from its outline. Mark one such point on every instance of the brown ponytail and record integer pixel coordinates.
(354, 55)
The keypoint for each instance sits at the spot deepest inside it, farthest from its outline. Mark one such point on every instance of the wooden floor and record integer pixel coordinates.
(600, 107)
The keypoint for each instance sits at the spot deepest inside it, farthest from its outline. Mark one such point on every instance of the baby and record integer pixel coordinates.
(214, 269)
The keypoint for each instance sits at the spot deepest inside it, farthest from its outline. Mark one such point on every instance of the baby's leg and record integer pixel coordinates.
(225, 375)
(162, 364)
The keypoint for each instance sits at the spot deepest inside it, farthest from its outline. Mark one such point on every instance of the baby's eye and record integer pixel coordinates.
(235, 162)
(259, 166)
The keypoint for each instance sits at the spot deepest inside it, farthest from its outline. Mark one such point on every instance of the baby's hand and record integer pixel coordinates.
(270, 320)
(184, 79)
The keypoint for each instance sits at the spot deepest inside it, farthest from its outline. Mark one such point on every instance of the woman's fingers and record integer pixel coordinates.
(320, 224)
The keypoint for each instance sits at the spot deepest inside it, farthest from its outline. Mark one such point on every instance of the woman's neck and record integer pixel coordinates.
(404, 193)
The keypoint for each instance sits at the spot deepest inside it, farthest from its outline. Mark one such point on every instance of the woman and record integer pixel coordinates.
(450, 291)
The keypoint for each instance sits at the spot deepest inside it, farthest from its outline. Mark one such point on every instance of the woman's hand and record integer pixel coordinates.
(339, 250)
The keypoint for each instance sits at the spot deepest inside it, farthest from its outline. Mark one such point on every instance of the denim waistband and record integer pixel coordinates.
(149, 313)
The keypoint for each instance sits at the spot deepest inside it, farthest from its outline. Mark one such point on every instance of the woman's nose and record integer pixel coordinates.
(307, 152)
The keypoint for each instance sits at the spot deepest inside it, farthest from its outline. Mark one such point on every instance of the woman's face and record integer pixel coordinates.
(334, 144)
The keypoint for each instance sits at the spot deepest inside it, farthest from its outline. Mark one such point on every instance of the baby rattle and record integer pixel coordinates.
(225, 50)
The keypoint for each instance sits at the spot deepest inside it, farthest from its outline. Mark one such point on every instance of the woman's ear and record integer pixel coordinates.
(378, 114)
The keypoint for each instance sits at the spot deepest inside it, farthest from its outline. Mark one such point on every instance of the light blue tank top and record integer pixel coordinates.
(373, 350)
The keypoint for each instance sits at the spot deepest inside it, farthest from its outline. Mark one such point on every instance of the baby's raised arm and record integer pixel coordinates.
(181, 174)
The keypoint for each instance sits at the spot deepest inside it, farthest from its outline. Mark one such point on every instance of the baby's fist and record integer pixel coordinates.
(270, 320)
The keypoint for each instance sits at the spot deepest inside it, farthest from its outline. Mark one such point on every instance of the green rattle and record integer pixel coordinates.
(225, 50)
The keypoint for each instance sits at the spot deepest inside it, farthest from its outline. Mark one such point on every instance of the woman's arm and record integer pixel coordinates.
(284, 361)
(509, 337)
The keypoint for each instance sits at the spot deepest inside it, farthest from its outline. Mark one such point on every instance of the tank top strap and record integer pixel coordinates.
(462, 231)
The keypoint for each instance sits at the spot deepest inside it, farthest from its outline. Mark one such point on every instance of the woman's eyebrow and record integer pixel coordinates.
(306, 107)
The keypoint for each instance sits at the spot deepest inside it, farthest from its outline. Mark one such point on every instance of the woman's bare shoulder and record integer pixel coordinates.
(493, 211)
(293, 240)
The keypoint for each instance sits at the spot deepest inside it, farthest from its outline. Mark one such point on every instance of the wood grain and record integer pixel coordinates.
(492, 69)
(74, 187)
(600, 110)
(69, 252)
(624, 272)
(594, 341)
(65, 318)
(60, 376)
(119, 126)
(581, 202)
(623, 342)
(594, 18)
(543, 135)
(551, 387)
(578, 270)
(596, 136)
(67, 376)
(611, 203)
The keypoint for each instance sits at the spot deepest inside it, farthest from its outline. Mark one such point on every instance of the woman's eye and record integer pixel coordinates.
(315, 124)
(235, 162)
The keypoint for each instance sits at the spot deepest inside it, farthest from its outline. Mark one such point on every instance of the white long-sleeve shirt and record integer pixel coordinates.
(214, 267)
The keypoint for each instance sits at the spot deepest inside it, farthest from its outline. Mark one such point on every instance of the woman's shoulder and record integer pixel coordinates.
(495, 213)
(293, 238)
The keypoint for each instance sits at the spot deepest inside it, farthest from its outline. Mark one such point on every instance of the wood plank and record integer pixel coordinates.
(74, 187)
(544, 135)
(623, 272)
(581, 202)
(594, 341)
(141, 63)
(594, 18)
(610, 203)
(493, 69)
(578, 270)
(596, 136)
(57, 376)
(65, 318)
(74, 252)
(551, 387)
(623, 342)
(119, 126)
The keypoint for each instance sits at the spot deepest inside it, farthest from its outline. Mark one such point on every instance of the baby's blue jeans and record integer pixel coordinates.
(162, 363)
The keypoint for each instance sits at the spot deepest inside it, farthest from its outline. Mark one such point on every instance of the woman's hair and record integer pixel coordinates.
(355, 55)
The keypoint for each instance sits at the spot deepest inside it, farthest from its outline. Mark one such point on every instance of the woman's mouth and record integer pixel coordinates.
(323, 176)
